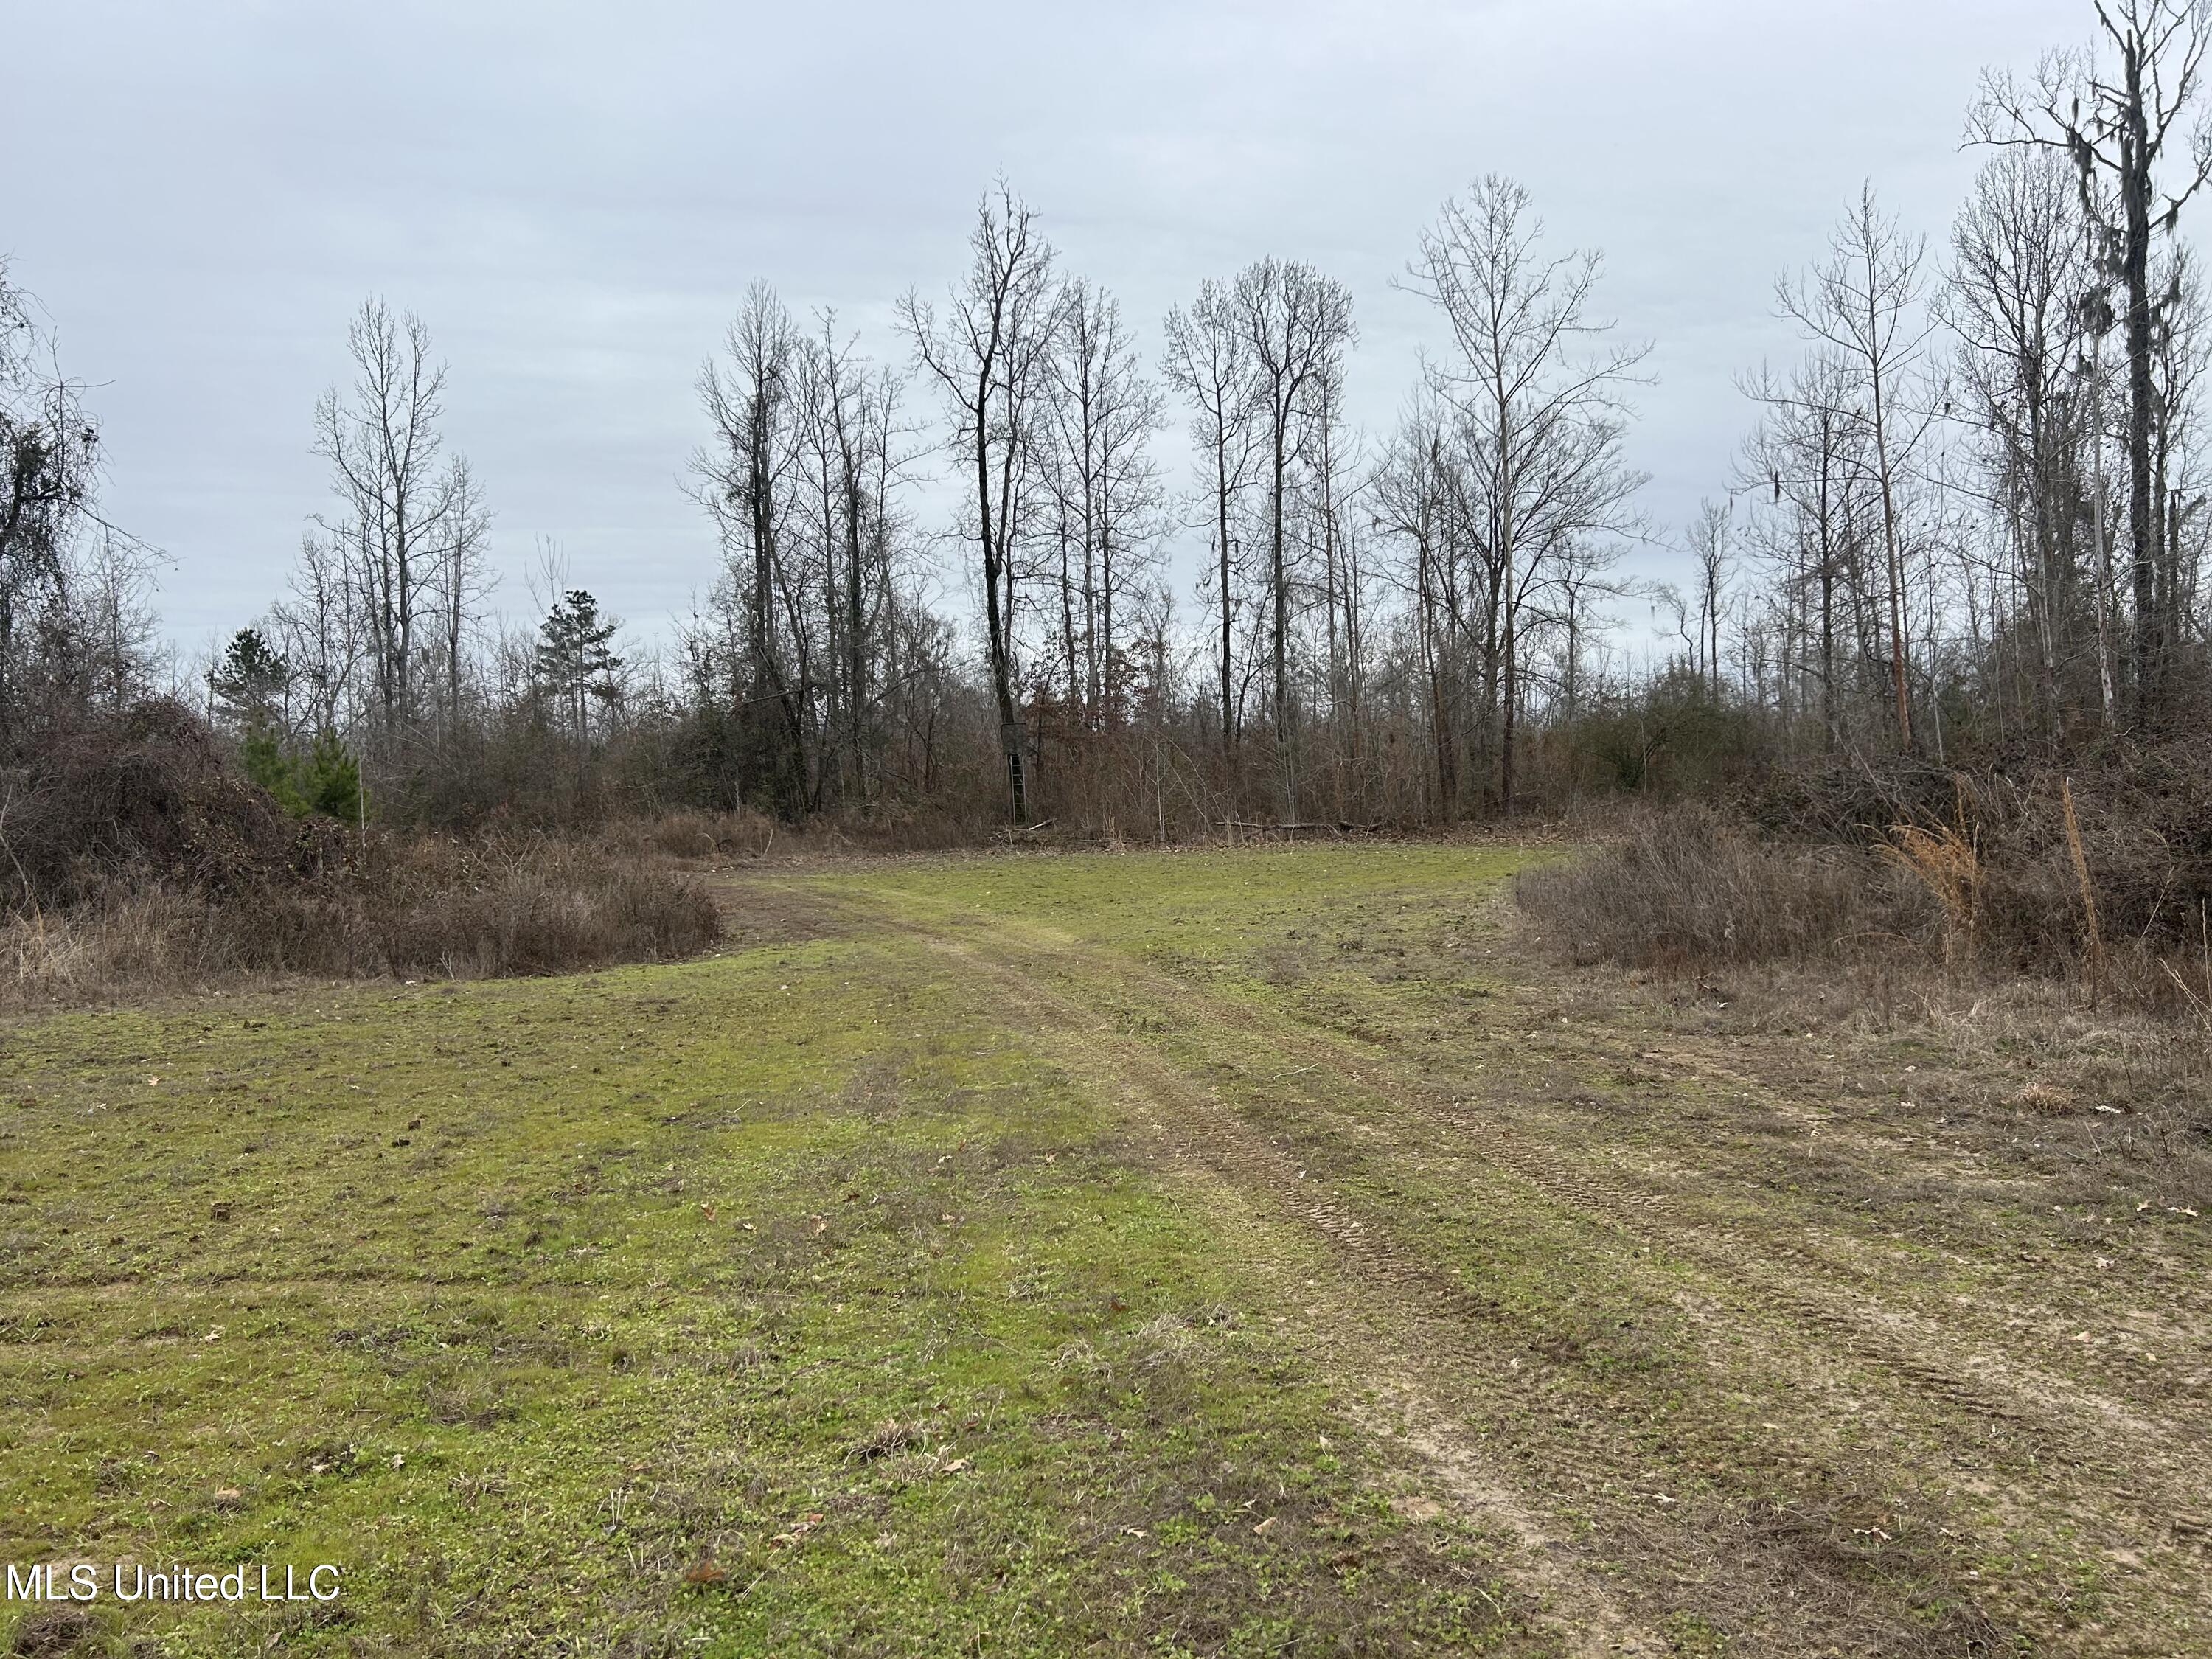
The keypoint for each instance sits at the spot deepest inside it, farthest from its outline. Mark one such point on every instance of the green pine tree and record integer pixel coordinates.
(329, 780)
(267, 764)
(252, 683)
(575, 664)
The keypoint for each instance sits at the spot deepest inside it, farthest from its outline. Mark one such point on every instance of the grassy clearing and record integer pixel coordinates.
(1208, 1253)
(777, 1302)
(1823, 1321)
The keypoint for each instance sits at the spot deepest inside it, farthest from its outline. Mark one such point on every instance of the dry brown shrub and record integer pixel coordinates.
(153, 938)
(133, 858)
(907, 827)
(690, 832)
(1944, 861)
(2112, 854)
(535, 907)
(886, 827)
(408, 909)
(146, 797)
(1688, 888)
(2100, 879)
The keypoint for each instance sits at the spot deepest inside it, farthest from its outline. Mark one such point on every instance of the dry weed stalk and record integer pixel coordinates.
(1946, 861)
(2088, 891)
(2201, 1006)
(2204, 1009)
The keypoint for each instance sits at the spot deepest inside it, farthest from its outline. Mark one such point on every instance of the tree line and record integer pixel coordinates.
(1968, 520)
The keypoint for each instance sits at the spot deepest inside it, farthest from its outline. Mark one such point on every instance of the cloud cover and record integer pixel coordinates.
(574, 199)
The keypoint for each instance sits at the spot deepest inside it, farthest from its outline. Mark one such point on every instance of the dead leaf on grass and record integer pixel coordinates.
(805, 1523)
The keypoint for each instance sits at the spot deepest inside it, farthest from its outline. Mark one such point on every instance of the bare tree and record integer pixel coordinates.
(986, 355)
(743, 474)
(1420, 498)
(1207, 361)
(48, 454)
(465, 581)
(1710, 544)
(1332, 482)
(407, 521)
(857, 415)
(1585, 578)
(2180, 364)
(1808, 449)
(1105, 488)
(1865, 303)
(320, 629)
(2120, 129)
(837, 587)
(2021, 298)
(1296, 325)
(1545, 416)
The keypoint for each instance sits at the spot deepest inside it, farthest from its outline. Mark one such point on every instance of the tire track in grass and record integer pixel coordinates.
(2049, 1419)
(1390, 1296)
(1882, 1335)
(2160, 1507)
(1407, 1330)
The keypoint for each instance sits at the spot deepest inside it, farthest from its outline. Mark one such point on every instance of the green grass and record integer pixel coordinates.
(1265, 1252)
(785, 1301)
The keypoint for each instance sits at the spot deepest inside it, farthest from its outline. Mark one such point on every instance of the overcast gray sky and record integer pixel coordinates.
(574, 197)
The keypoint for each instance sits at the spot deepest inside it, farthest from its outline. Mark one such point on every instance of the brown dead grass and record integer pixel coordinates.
(1690, 889)
(424, 908)
(135, 858)
(2028, 1076)
(888, 828)
(690, 833)
(2086, 1072)
(1975, 900)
